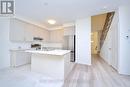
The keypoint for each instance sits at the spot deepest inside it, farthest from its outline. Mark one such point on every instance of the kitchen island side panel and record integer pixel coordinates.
(50, 65)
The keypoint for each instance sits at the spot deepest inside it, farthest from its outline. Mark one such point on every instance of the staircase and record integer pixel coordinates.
(106, 27)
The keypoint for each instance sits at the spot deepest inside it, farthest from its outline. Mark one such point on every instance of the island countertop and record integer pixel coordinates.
(51, 52)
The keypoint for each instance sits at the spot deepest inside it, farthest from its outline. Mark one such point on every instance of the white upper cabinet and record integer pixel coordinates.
(56, 36)
(24, 32)
(29, 33)
(69, 31)
(16, 30)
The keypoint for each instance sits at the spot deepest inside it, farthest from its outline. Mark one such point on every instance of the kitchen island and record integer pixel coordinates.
(54, 63)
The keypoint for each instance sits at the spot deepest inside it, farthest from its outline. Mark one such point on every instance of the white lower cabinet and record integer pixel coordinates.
(19, 58)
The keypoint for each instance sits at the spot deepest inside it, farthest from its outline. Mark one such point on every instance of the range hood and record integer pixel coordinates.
(37, 38)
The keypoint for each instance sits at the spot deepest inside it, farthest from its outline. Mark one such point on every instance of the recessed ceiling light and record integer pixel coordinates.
(51, 22)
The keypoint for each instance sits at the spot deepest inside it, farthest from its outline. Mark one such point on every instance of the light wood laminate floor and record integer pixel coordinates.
(100, 74)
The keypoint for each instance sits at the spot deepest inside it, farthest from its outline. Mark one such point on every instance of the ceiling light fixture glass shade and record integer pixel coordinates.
(51, 22)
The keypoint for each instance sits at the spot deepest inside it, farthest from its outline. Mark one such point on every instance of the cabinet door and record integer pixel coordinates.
(16, 30)
(42, 33)
(69, 31)
(29, 33)
(22, 58)
(56, 36)
(19, 58)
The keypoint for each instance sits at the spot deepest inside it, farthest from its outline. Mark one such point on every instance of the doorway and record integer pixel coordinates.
(104, 38)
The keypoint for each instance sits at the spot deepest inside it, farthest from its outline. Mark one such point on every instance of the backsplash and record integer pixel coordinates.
(27, 45)
(20, 45)
(52, 45)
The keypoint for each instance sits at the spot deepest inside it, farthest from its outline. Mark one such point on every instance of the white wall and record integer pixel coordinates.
(104, 52)
(109, 50)
(124, 42)
(83, 41)
(4, 43)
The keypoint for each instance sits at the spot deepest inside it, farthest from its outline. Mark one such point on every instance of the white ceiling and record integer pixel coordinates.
(63, 11)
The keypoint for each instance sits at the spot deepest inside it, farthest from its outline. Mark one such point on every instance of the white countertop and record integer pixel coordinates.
(21, 50)
(52, 52)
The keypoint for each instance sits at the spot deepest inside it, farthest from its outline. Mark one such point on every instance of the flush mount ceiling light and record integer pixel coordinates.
(105, 7)
(51, 22)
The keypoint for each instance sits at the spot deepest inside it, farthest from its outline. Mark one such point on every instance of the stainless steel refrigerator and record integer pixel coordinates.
(69, 44)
